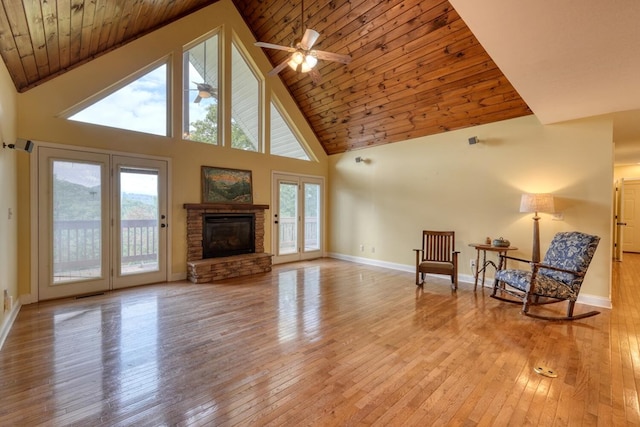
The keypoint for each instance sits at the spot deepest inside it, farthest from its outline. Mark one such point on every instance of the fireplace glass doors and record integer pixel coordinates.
(227, 235)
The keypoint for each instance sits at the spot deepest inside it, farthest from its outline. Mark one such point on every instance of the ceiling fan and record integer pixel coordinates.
(303, 58)
(205, 90)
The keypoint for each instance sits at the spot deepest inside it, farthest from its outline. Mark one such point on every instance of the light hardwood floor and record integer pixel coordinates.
(325, 342)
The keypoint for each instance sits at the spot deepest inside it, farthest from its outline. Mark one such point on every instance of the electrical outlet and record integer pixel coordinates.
(361, 248)
(373, 250)
(472, 264)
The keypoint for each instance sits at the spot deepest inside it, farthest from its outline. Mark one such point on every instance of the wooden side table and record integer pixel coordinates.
(481, 247)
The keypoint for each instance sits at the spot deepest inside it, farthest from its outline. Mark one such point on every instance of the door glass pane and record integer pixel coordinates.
(288, 235)
(77, 221)
(311, 214)
(138, 221)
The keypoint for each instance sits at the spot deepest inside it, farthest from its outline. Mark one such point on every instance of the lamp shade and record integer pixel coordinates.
(537, 203)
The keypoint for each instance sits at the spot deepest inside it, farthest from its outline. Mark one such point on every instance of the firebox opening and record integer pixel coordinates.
(228, 234)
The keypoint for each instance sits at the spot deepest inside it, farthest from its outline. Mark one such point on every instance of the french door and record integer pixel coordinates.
(101, 222)
(139, 221)
(297, 219)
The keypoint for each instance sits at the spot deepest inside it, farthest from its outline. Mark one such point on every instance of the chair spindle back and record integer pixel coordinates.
(438, 245)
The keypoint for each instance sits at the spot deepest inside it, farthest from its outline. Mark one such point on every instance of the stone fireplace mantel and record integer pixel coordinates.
(201, 270)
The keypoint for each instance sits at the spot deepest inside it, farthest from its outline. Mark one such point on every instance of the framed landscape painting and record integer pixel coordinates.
(222, 185)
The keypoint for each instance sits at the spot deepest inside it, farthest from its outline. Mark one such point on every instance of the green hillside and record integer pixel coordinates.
(77, 202)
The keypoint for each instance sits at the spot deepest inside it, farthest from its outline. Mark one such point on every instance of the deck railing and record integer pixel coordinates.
(288, 233)
(77, 244)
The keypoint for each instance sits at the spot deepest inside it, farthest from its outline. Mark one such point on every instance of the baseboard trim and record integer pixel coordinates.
(8, 324)
(595, 301)
(587, 299)
(27, 299)
(374, 262)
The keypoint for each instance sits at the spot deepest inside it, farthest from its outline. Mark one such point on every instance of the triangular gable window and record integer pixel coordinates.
(245, 104)
(284, 141)
(139, 106)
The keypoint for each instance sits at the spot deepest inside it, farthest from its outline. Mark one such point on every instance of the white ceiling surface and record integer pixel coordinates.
(568, 59)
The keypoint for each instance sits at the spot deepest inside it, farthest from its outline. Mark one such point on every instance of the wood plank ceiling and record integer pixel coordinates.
(417, 69)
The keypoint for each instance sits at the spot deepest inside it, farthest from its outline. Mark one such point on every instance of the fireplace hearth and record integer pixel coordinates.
(225, 240)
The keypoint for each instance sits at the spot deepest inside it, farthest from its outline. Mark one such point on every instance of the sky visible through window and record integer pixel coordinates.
(139, 106)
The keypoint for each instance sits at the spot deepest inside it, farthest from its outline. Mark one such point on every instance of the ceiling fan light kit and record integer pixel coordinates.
(297, 58)
(302, 58)
(303, 62)
(310, 61)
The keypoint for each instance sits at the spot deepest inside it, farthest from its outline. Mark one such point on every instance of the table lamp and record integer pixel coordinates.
(536, 203)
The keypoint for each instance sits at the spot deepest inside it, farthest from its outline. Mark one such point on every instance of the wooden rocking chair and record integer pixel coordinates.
(557, 278)
(437, 256)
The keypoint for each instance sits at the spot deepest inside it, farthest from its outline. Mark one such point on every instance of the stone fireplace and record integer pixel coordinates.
(218, 245)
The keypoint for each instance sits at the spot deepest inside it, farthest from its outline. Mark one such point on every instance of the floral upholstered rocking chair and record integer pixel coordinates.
(557, 278)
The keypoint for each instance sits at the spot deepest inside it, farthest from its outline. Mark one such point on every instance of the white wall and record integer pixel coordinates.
(441, 182)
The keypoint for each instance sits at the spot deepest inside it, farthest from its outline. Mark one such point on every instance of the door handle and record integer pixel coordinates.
(163, 225)
(275, 222)
(621, 223)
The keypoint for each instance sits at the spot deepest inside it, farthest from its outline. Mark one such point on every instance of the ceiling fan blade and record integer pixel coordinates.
(197, 100)
(275, 46)
(315, 75)
(279, 68)
(330, 56)
(309, 38)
